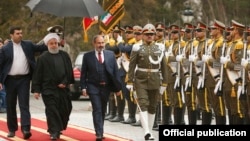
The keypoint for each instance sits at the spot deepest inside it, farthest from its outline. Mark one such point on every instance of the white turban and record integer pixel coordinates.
(49, 37)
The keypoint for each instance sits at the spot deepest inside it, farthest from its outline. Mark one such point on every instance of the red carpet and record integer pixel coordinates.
(39, 133)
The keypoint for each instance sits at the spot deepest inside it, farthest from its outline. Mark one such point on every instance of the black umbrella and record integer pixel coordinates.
(67, 8)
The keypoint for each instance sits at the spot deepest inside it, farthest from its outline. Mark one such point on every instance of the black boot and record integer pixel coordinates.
(120, 110)
(167, 115)
(132, 111)
(112, 108)
(206, 118)
(157, 119)
(192, 117)
(178, 113)
(220, 120)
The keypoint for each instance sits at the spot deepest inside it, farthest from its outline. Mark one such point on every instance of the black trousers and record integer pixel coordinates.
(18, 88)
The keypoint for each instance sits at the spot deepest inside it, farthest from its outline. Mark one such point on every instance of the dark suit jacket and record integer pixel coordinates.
(89, 71)
(6, 57)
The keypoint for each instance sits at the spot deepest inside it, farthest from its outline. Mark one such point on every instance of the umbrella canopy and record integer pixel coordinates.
(67, 8)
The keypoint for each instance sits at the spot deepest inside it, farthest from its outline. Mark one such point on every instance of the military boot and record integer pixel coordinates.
(132, 111)
(192, 117)
(220, 120)
(167, 115)
(206, 118)
(138, 123)
(178, 116)
(120, 110)
(112, 108)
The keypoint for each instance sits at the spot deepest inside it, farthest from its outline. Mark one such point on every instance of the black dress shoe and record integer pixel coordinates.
(99, 137)
(11, 134)
(109, 117)
(129, 121)
(26, 134)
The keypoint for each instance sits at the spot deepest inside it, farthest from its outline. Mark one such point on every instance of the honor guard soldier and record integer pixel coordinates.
(214, 78)
(189, 80)
(201, 71)
(245, 63)
(126, 49)
(112, 45)
(138, 36)
(146, 62)
(232, 63)
(160, 35)
(174, 75)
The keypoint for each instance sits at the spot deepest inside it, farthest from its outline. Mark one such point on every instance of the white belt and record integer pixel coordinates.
(148, 70)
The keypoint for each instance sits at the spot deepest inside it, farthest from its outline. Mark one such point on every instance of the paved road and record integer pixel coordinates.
(82, 116)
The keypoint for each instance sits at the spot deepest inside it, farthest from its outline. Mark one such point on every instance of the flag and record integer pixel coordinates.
(87, 23)
(114, 13)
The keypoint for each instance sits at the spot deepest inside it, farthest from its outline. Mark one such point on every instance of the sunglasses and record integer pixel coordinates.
(149, 34)
(198, 30)
(159, 30)
(117, 31)
(213, 28)
(188, 31)
(137, 33)
(129, 32)
(174, 32)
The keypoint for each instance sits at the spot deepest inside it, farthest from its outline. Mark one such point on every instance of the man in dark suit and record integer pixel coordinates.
(99, 77)
(17, 62)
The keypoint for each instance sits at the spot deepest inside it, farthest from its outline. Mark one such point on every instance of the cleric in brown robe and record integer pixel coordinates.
(51, 80)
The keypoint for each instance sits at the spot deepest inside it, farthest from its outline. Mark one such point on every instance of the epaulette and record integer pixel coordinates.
(132, 41)
(183, 43)
(195, 43)
(238, 45)
(167, 43)
(136, 47)
(219, 43)
(209, 41)
(112, 42)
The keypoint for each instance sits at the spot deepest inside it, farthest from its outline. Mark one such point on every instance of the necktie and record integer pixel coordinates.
(99, 57)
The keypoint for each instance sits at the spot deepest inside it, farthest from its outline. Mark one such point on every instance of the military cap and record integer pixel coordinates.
(237, 24)
(188, 26)
(174, 27)
(149, 28)
(55, 29)
(128, 28)
(116, 28)
(137, 29)
(218, 24)
(159, 26)
(201, 25)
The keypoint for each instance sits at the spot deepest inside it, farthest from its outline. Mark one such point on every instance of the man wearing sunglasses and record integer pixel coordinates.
(196, 58)
(146, 63)
(174, 76)
(234, 73)
(215, 76)
(125, 48)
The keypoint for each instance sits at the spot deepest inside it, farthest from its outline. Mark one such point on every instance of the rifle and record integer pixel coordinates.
(204, 65)
(244, 57)
(178, 77)
(222, 66)
(191, 53)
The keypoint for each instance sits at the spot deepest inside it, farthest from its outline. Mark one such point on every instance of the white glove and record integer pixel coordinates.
(244, 62)
(129, 87)
(200, 82)
(119, 62)
(119, 39)
(192, 58)
(224, 60)
(179, 58)
(239, 91)
(162, 89)
(187, 83)
(205, 58)
(217, 86)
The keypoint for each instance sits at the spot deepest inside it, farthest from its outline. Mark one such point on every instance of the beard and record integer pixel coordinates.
(53, 51)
